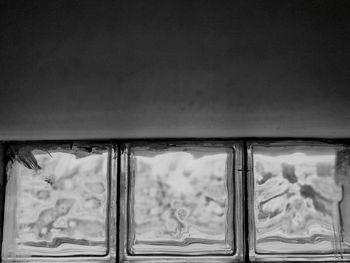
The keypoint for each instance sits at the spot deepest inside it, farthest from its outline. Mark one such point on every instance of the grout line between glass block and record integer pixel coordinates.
(245, 201)
(117, 151)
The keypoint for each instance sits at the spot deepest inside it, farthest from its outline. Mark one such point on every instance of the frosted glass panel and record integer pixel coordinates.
(59, 210)
(296, 200)
(181, 201)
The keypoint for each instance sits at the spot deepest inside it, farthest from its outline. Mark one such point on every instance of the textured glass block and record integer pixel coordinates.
(296, 200)
(58, 210)
(181, 201)
(343, 178)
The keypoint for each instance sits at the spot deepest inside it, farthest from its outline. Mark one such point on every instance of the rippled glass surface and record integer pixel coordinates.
(296, 200)
(58, 210)
(181, 201)
(343, 178)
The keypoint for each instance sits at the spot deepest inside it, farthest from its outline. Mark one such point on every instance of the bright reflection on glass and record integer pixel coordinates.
(296, 200)
(58, 210)
(181, 201)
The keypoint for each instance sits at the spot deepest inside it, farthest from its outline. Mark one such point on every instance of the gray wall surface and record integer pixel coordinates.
(156, 68)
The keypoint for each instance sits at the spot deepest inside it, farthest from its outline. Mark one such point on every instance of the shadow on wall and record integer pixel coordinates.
(174, 69)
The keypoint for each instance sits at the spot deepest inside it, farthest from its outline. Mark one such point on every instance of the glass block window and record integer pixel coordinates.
(58, 202)
(175, 201)
(297, 201)
(180, 200)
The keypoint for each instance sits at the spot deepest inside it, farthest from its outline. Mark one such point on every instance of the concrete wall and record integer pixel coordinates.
(134, 69)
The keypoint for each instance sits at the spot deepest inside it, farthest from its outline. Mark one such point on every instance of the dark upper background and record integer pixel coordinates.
(131, 69)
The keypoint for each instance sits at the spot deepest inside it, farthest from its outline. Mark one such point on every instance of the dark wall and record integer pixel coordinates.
(117, 69)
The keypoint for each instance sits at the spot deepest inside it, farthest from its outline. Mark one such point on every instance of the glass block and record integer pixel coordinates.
(58, 210)
(181, 201)
(296, 200)
(343, 178)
